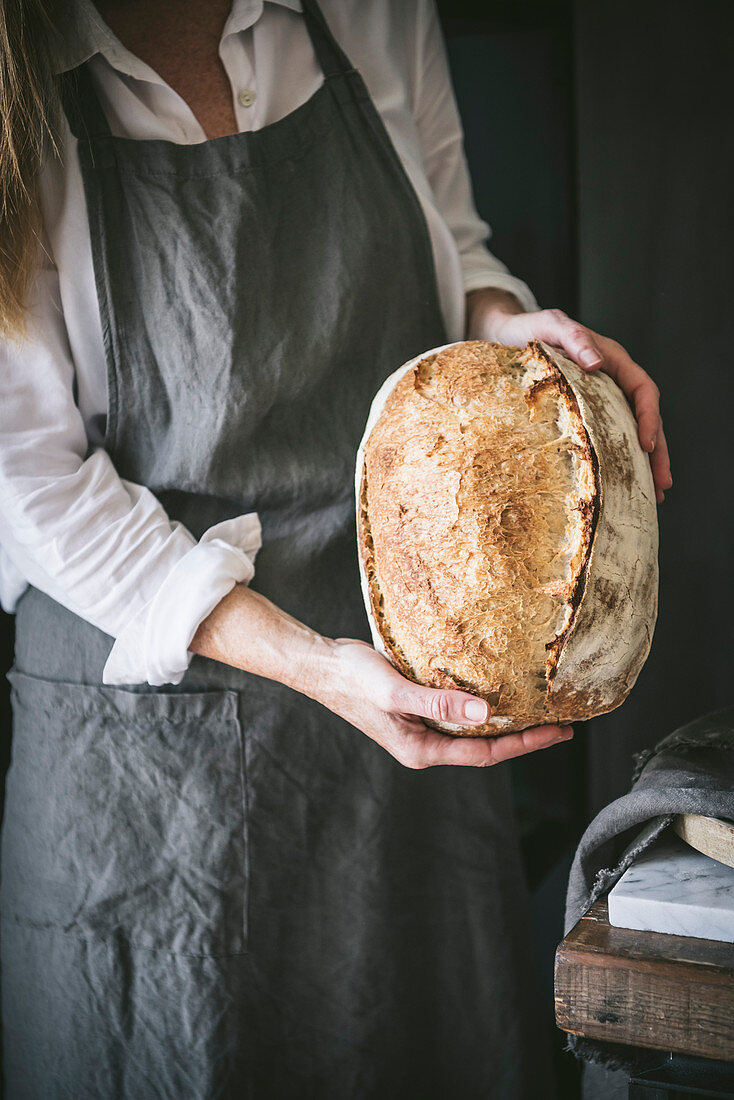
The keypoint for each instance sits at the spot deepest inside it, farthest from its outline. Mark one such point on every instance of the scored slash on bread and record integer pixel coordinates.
(507, 532)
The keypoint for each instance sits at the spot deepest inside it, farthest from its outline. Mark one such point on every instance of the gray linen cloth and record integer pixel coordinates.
(691, 771)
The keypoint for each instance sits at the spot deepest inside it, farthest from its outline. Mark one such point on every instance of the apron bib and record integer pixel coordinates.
(220, 889)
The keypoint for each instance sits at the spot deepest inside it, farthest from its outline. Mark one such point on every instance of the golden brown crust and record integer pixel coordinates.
(476, 519)
(507, 532)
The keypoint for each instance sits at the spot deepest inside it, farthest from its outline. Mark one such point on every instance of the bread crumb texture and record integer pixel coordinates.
(480, 500)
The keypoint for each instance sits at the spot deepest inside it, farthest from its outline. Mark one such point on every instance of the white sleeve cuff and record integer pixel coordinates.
(153, 647)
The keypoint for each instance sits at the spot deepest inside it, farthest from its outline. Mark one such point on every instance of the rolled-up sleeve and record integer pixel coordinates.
(101, 546)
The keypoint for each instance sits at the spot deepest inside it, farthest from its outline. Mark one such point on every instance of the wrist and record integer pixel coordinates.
(249, 632)
(351, 676)
(486, 310)
(315, 672)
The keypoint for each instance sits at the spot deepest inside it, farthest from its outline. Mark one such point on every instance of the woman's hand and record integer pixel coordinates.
(350, 678)
(368, 692)
(497, 315)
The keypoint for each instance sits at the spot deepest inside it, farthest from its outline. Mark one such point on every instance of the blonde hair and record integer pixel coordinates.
(29, 118)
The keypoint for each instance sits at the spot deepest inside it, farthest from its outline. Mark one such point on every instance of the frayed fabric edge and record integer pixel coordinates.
(609, 1055)
(606, 877)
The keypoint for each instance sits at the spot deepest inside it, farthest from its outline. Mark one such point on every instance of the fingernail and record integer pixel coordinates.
(476, 710)
(589, 358)
(566, 733)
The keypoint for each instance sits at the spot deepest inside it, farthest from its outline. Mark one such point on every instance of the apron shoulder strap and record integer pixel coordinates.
(81, 105)
(330, 55)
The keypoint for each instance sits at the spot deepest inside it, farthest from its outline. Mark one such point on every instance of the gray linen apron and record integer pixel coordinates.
(220, 889)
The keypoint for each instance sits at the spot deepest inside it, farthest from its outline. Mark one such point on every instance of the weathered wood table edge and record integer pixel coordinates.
(645, 989)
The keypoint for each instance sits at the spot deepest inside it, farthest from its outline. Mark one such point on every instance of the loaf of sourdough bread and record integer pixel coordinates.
(507, 532)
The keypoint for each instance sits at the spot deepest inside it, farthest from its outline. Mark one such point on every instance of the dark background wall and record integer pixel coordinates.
(599, 138)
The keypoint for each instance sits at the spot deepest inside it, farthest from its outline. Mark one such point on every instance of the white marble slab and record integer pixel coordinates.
(673, 888)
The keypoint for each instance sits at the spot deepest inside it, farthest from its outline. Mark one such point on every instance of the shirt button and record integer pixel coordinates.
(246, 98)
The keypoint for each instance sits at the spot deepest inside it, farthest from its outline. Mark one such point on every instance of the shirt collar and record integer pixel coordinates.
(88, 35)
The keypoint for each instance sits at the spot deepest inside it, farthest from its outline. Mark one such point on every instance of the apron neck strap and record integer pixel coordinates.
(86, 118)
(330, 55)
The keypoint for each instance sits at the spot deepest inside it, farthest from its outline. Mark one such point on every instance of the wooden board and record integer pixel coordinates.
(646, 989)
(709, 835)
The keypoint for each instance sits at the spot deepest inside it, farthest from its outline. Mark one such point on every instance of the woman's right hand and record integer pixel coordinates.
(363, 688)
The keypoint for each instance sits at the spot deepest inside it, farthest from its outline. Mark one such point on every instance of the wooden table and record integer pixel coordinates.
(646, 989)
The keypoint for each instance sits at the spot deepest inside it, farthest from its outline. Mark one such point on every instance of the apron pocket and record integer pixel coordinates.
(125, 816)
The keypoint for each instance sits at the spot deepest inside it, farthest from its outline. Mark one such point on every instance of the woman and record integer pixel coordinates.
(212, 885)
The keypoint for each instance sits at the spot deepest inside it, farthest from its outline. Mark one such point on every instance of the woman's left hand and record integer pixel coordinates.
(592, 352)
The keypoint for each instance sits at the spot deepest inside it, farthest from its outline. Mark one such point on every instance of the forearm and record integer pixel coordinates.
(248, 631)
(485, 309)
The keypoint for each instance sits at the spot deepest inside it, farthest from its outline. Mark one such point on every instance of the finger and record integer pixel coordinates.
(456, 707)
(645, 398)
(660, 462)
(638, 387)
(579, 342)
(435, 749)
(540, 737)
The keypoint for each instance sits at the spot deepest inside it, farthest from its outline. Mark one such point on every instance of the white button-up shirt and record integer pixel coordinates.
(69, 525)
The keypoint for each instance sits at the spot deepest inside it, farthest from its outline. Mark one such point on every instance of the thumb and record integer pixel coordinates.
(457, 707)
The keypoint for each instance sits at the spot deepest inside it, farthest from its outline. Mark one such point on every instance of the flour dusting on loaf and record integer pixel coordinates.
(507, 532)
